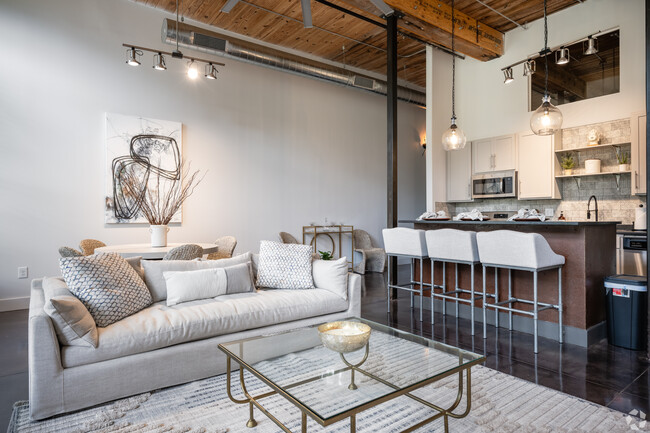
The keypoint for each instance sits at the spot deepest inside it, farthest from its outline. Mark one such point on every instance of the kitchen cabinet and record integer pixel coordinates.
(638, 150)
(459, 174)
(537, 165)
(494, 154)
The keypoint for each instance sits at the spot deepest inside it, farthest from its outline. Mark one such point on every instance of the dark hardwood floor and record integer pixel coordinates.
(604, 374)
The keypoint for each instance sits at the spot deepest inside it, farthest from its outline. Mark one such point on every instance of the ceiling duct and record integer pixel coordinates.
(206, 41)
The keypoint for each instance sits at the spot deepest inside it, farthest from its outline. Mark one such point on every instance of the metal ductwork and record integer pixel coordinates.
(206, 41)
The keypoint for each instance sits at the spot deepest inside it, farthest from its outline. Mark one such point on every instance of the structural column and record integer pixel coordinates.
(391, 100)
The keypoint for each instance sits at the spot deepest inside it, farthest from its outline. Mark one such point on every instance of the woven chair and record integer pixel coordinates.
(287, 238)
(184, 252)
(69, 252)
(226, 245)
(88, 246)
(368, 257)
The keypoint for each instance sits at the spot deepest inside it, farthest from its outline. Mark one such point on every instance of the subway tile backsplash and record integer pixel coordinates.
(615, 202)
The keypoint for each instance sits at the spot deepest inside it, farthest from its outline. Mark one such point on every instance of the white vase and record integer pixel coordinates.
(624, 167)
(158, 235)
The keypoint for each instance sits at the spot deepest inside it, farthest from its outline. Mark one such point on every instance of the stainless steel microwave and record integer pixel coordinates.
(497, 184)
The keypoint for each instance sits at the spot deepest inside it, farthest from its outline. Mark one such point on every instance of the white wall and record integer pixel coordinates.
(281, 151)
(487, 107)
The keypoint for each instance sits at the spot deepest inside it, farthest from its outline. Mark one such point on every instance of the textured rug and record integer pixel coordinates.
(500, 403)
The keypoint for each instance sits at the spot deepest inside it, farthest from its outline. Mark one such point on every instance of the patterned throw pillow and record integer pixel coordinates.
(107, 285)
(284, 266)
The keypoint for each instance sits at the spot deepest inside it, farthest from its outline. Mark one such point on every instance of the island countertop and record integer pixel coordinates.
(512, 223)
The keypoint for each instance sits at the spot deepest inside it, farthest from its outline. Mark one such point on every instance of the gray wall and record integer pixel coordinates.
(281, 151)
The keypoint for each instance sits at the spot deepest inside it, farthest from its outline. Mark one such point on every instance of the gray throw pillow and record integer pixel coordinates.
(284, 266)
(107, 285)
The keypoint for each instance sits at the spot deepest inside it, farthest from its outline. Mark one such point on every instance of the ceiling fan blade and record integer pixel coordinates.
(228, 6)
(306, 13)
(383, 7)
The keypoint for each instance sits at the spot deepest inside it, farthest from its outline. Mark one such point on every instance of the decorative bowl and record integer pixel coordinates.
(344, 337)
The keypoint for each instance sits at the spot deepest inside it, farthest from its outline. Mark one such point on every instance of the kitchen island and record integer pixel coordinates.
(589, 248)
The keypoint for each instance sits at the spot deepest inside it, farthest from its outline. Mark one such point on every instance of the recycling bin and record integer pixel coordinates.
(627, 310)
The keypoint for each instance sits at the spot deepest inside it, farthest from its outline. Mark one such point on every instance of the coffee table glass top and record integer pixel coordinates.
(296, 364)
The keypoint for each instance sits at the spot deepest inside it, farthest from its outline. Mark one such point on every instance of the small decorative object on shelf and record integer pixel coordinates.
(325, 255)
(592, 166)
(593, 136)
(345, 337)
(623, 159)
(568, 163)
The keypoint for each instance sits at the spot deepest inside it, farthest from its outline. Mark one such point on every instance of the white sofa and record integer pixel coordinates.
(162, 346)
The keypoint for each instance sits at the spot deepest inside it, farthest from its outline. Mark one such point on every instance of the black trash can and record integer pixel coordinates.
(627, 310)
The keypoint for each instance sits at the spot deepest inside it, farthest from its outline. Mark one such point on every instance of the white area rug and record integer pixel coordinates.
(500, 403)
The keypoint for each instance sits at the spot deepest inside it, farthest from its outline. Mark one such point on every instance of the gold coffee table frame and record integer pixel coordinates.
(464, 386)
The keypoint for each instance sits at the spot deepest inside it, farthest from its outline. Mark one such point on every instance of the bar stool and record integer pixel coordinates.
(409, 243)
(529, 252)
(458, 247)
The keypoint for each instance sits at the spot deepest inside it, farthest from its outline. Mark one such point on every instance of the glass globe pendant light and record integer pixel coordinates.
(547, 119)
(454, 137)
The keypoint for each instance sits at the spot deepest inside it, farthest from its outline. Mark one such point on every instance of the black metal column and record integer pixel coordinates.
(391, 102)
(647, 109)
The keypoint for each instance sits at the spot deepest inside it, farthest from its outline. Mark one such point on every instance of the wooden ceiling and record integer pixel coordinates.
(343, 38)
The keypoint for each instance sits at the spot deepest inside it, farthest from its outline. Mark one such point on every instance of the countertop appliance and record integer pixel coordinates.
(498, 184)
(632, 252)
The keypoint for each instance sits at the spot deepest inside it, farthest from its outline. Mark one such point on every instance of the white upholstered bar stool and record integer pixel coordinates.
(409, 243)
(529, 252)
(458, 247)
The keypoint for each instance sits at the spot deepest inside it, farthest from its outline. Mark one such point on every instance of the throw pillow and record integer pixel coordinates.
(153, 271)
(332, 275)
(72, 322)
(136, 263)
(284, 266)
(188, 286)
(107, 285)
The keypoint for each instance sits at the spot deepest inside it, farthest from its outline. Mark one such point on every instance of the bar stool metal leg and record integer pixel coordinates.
(510, 298)
(444, 287)
(412, 281)
(471, 304)
(432, 287)
(496, 297)
(421, 289)
(388, 285)
(535, 312)
(484, 309)
(456, 288)
(559, 301)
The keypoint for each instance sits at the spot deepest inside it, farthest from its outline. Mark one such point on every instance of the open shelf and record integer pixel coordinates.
(576, 177)
(600, 146)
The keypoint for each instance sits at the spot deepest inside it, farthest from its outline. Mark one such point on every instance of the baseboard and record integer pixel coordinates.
(12, 304)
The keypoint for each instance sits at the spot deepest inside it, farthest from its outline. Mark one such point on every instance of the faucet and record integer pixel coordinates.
(589, 207)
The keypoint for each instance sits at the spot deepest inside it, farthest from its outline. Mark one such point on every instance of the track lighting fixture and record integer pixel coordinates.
(159, 62)
(192, 70)
(590, 46)
(211, 72)
(530, 67)
(507, 76)
(562, 56)
(132, 56)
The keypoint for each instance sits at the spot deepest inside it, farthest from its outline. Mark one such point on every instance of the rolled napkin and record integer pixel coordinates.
(474, 215)
(432, 215)
(526, 214)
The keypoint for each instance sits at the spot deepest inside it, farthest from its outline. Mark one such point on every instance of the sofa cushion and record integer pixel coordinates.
(159, 325)
(284, 266)
(72, 322)
(332, 275)
(153, 271)
(107, 285)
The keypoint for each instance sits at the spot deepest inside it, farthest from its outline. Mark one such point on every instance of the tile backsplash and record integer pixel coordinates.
(615, 202)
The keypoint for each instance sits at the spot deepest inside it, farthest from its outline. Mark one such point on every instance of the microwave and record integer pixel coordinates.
(498, 184)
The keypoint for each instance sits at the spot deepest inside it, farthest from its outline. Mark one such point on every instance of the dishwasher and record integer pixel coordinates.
(634, 257)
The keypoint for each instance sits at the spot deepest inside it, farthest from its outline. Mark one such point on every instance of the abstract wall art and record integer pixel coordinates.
(145, 149)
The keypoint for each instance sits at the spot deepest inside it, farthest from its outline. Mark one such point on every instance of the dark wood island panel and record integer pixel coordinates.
(589, 249)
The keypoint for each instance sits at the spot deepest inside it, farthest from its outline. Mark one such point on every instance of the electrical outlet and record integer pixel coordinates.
(549, 212)
(22, 272)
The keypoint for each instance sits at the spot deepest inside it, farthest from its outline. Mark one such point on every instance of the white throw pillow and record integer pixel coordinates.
(284, 266)
(332, 275)
(185, 286)
(153, 271)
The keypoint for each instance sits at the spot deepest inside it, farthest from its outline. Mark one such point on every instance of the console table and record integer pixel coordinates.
(337, 230)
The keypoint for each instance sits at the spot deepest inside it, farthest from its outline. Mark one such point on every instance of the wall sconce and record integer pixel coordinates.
(423, 144)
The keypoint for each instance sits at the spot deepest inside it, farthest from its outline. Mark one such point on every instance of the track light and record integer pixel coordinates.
(192, 70)
(132, 56)
(507, 74)
(159, 62)
(591, 47)
(211, 72)
(530, 67)
(563, 57)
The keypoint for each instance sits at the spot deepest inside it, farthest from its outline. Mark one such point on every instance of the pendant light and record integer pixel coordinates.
(547, 119)
(454, 137)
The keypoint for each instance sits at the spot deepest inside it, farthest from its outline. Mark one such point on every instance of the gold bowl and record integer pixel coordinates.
(344, 337)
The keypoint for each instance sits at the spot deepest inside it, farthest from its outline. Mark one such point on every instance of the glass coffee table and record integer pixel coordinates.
(329, 387)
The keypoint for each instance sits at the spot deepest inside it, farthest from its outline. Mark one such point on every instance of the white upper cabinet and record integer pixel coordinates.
(494, 154)
(537, 166)
(638, 148)
(459, 174)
